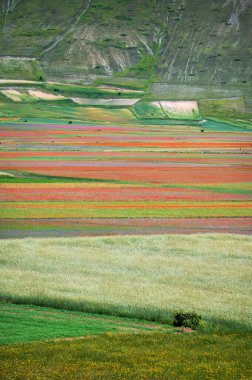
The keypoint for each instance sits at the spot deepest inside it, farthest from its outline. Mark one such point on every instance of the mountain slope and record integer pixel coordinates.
(173, 41)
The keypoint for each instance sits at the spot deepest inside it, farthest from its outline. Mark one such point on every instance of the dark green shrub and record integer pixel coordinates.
(123, 18)
(191, 320)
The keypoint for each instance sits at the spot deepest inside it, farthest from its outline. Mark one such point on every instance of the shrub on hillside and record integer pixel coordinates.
(191, 320)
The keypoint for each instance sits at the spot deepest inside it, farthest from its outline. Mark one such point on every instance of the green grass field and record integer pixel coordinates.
(25, 323)
(143, 277)
(131, 356)
(45, 343)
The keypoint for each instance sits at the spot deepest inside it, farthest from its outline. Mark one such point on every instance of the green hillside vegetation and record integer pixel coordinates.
(232, 111)
(182, 42)
(91, 92)
(231, 107)
(75, 90)
(46, 111)
(147, 110)
(12, 68)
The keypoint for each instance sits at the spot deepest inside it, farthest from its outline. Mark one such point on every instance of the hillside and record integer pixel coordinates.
(190, 42)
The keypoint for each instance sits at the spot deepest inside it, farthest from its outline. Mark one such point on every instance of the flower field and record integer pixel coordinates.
(61, 184)
(77, 180)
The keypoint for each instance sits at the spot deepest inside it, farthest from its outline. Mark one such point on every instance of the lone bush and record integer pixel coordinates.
(191, 320)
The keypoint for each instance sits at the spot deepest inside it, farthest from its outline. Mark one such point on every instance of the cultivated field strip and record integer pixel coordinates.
(149, 278)
(80, 180)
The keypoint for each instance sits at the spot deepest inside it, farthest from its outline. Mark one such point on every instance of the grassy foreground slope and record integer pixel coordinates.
(149, 277)
(26, 323)
(131, 356)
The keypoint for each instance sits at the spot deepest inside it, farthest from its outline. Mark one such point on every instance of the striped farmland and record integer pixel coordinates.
(81, 180)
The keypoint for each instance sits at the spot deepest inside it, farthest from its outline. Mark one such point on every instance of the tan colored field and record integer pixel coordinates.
(105, 102)
(14, 95)
(44, 95)
(2, 81)
(5, 174)
(178, 108)
(147, 277)
(105, 115)
(123, 90)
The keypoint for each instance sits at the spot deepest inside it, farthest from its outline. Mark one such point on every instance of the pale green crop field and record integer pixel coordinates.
(147, 277)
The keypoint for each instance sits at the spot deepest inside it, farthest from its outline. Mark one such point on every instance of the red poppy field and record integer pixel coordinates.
(81, 180)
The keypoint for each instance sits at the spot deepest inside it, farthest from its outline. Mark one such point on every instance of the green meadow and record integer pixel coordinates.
(152, 355)
(27, 323)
